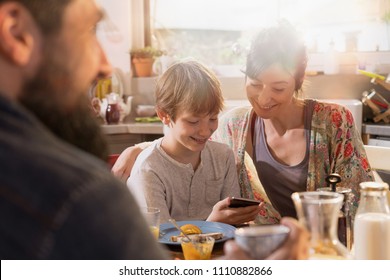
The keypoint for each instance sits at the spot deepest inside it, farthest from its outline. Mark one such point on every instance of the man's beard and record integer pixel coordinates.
(76, 126)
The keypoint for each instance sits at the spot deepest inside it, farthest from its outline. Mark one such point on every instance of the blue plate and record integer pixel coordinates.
(167, 230)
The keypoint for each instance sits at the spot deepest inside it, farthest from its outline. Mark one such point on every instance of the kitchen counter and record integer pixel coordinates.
(376, 129)
(133, 128)
(376, 134)
(121, 136)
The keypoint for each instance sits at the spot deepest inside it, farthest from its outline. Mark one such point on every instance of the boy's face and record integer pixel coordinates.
(192, 131)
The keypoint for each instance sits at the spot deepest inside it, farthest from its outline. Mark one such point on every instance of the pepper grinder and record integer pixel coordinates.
(345, 219)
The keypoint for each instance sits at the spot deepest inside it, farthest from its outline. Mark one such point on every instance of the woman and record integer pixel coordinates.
(284, 143)
(292, 143)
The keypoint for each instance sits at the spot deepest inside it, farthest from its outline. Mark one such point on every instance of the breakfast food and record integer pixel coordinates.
(197, 249)
(193, 231)
(215, 235)
(190, 229)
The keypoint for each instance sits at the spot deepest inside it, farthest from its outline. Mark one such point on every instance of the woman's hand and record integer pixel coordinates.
(124, 163)
(296, 246)
(234, 216)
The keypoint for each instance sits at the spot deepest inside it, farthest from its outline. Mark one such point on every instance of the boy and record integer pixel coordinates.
(183, 174)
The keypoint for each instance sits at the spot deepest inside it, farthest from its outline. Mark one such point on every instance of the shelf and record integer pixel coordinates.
(376, 129)
(133, 128)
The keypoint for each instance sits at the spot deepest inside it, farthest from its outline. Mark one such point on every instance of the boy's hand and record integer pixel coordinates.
(234, 216)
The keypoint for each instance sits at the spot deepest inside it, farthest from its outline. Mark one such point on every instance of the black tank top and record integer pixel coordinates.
(280, 180)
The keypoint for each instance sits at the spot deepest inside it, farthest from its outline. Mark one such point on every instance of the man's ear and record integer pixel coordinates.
(17, 38)
(164, 117)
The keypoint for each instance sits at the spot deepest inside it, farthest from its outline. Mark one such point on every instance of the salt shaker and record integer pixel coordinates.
(372, 223)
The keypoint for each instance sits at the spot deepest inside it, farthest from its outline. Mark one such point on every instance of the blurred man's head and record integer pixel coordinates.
(47, 14)
(51, 49)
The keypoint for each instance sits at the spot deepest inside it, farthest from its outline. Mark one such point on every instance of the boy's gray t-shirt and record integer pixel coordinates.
(179, 192)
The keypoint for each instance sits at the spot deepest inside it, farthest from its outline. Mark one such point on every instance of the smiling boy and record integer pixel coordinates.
(184, 174)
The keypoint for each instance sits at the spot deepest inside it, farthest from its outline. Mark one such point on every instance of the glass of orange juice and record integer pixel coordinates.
(152, 217)
(199, 248)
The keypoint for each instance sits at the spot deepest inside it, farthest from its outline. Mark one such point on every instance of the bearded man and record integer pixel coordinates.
(57, 200)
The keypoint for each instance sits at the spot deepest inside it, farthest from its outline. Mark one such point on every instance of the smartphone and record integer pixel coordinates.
(242, 202)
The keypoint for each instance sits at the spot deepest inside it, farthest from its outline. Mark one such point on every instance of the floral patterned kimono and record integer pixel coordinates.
(335, 147)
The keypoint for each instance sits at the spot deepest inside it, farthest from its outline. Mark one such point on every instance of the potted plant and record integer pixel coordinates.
(142, 60)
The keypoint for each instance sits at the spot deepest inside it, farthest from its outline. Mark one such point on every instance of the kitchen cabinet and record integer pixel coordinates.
(121, 136)
(118, 142)
(376, 134)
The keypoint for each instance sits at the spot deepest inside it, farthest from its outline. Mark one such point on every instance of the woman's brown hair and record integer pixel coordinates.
(280, 44)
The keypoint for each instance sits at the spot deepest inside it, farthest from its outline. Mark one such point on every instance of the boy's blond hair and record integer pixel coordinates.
(188, 86)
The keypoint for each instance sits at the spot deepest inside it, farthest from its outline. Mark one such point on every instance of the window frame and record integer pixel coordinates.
(375, 61)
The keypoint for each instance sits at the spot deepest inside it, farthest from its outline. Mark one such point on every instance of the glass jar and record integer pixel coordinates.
(113, 110)
(372, 223)
(319, 213)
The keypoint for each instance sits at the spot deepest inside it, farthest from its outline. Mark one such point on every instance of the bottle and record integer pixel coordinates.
(372, 223)
(331, 63)
(112, 111)
(319, 212)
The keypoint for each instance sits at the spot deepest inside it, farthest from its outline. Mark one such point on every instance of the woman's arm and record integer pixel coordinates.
(124, 163)
(338, 149)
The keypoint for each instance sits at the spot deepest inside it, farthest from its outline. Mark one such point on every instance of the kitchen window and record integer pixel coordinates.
(218, 32)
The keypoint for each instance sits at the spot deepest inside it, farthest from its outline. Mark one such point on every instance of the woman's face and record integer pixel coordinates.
(271, 92)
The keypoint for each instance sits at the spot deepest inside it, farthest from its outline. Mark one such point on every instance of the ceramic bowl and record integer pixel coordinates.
(145, 111)
(260, 241)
